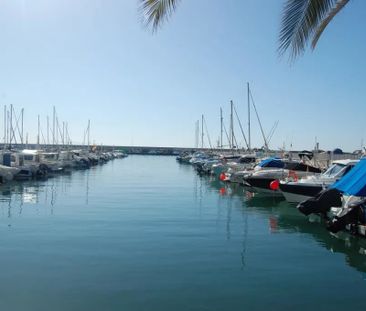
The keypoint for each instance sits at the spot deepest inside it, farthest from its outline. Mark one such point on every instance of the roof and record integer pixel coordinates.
(272, 162)
(354, 182)
(345, 162)
(28, 151)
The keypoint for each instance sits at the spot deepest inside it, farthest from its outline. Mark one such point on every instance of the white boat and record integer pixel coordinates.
(310, 186)
(261, 180)
(343, 204)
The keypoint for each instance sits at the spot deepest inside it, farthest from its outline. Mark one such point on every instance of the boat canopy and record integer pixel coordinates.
(298, 166)
(354, 182)
(272, 162)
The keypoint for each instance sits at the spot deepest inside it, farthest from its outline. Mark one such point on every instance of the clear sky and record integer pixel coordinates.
(92, 59)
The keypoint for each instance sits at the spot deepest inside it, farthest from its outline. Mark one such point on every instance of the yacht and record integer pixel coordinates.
(262, 180)
(310, 186)
(343, 204)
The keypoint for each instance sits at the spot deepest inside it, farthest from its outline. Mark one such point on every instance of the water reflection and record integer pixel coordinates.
(15, 196)
(284, 217)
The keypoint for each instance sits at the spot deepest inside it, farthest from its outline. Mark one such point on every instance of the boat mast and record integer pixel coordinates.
(231, 124)
(11, 125)
(249, 143)
(48, 130)
(88, 134)
(202, 134)
(221, 127)
(53, 126)
(38, 132)
(22, 129)
(5, 126)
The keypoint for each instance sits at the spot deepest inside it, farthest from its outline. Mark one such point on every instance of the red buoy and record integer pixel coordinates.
(222, 176)
(222, 191)
(274, 185)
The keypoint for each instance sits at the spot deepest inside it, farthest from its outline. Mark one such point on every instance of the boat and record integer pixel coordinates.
(265, 164)
(261, 180)
(343, 204)
(310, 186)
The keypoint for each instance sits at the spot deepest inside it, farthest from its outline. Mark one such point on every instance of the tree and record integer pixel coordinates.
(302, 20)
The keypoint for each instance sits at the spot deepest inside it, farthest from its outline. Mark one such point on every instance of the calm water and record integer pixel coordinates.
(145, 233)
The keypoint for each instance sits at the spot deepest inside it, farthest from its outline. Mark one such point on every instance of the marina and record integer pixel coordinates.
(182, 155)
(126, 236)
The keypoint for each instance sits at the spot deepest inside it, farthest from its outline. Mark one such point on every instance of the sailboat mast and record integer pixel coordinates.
(53, 126)
(22, 128)
(231, 124)
(88, 133)
(202, 132)
(248, 90)
(48, 131)
(221, 127)
(5, 126)
(11, 125)
(38, 132)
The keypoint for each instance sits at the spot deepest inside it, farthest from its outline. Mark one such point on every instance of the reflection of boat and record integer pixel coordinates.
(7, 173)
(289, 220)
(281, 218)
(305, 188)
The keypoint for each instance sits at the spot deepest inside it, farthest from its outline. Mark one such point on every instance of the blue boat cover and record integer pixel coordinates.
(272, 162)
(354, 182)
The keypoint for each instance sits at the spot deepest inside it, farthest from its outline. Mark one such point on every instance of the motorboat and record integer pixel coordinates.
(261, 180)
(310, 186)
(265, 164)
(343, 204)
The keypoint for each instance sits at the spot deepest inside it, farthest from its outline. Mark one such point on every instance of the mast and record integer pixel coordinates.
(88, 133)
(202, 134)
(48, 130)
(221, 127)
(11, 124)
(231, 124)
(197, 134)
(5, 125)
(53, 126)
(38, 132)
(22, 129)
(63, 133)
(249, 143)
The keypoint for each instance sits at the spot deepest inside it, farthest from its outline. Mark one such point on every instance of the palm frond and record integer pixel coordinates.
(155, 12)
(300, 20)
(324, 23)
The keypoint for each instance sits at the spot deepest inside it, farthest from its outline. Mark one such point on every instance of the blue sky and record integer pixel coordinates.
(92, 59)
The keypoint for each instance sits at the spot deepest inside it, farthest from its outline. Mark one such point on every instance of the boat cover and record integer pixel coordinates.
(354, 182)
(272, 162)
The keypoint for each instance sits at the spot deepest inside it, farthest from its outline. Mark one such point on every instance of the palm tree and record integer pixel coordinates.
(305, 20)
(302, 20)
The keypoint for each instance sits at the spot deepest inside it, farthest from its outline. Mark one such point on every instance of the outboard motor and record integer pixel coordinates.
(356, 215)
(321, 203)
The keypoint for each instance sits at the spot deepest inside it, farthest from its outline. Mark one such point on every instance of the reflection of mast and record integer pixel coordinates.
(87, 188)
(245, 237)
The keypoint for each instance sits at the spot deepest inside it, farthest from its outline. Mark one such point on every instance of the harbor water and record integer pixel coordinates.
(147, 233)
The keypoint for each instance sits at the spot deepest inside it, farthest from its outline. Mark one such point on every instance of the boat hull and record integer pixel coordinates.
(295, 193)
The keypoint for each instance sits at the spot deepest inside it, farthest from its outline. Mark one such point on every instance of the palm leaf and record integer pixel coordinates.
(338, 6)
(155, 12)
(300, 21)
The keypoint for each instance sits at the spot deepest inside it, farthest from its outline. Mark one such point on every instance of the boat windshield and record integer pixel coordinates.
(333, 170)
